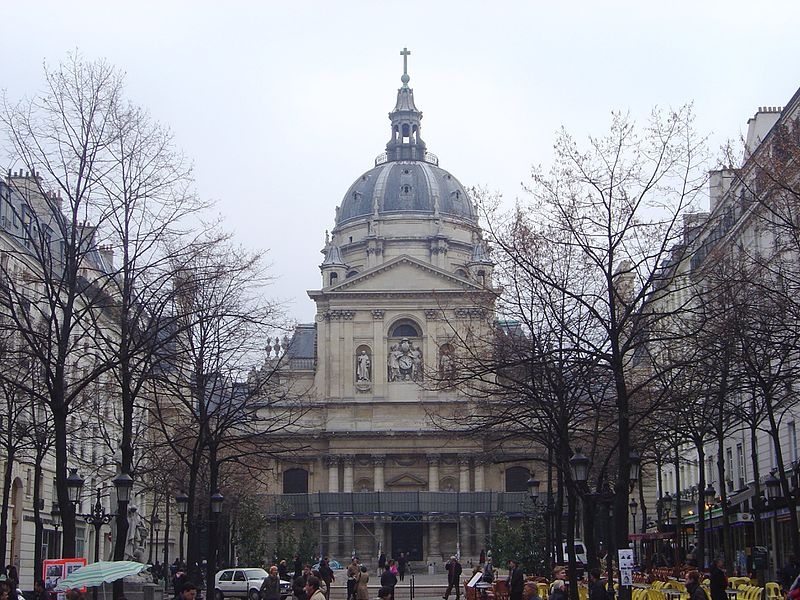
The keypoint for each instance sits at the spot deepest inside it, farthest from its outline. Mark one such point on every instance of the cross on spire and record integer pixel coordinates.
(405, 78)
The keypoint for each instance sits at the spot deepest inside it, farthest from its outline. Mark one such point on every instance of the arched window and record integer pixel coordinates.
(351, 274)
(295, 481)
(461, 273)
(333, 278)
(517, 479)
(405, 329)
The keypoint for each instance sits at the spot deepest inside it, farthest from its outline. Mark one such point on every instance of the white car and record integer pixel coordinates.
(244, 583)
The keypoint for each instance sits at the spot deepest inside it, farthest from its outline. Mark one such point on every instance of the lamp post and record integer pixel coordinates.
(55, 517)
(216, 508)
(155, 522)
(710, 495)
(633, 507)
(182, 500)
(773, 487)
(533, 494)
(98, 516)
(579, 465)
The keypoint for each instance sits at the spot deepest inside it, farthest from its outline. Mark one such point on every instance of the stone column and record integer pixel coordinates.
(347, 476)
(347, 522)
(480, 474)
(480, 521)
(463, 487)
(434, 551)
(433, 472)
(378, 461)
(332, 463)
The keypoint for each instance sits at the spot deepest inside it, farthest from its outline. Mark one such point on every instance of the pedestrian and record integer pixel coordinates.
(558, 590)
(39, 591)
(283, 570)
(352, 578)
(516, 580)
(597, 589)
(271, 586)
(696, 591)
(189, 591)
(789, 572)
(402, 565)
(482, 558)
(453, 568)
(327, 576)
(362, 593)
(298, 565)
(718, 580)
(311, 590)
(382, 562)
(389, 579)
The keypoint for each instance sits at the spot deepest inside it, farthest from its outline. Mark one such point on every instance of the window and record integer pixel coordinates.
(517, 479)
(295, 481)
(792, 432)
(239, 576)
(740, 460)
(226, 576)
(80, 541)
(333, 278)
(405, 329)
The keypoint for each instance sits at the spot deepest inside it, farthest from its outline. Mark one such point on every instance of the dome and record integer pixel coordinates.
(406, 186)
(406, 178)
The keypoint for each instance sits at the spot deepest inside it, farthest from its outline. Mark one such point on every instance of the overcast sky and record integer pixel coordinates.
(282, 105)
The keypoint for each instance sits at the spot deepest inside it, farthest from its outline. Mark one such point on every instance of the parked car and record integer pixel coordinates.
(244, 583)
(335, 565)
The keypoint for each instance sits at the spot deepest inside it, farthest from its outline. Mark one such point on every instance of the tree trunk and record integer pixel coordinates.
(7, 475)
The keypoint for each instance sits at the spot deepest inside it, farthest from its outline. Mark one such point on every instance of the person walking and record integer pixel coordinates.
(389, 579)
(597, 590)
(696, 591)
(362, 593)
(327, 576)
(352, 578)
(718, 580)
(402, 565)
(271, 586)
(311, 589)
(516, 580)
(453, 568)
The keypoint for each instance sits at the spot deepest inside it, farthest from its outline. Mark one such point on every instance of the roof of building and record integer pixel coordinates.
(406, 178)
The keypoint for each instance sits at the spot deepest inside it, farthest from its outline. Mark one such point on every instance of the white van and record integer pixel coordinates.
(580, 552)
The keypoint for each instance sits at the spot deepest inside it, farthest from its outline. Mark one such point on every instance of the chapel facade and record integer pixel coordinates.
(406, 282)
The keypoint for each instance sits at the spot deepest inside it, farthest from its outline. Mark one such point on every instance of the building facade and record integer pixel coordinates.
(406, 285)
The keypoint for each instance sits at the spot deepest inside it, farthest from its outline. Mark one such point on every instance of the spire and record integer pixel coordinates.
(406, 141)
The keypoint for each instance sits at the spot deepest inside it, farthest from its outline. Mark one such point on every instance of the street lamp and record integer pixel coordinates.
(216, 508)
(710, 495)
(182, 500)
(55, 517)
(773, 487)
(579, 465)
(98, 516)
(155, 522)
(667, 506)
(633, 507)
(533, 494)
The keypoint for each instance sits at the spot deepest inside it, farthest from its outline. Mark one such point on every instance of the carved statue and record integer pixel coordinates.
(363, 368)
(405, 362)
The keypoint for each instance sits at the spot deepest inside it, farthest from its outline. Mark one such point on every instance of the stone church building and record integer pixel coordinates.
(406, 282)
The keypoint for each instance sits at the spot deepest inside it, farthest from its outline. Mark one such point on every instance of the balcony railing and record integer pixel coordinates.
(398, 503)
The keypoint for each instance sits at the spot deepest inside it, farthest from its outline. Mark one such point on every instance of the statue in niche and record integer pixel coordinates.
(363, 368)
(447, 369)
(405, 361)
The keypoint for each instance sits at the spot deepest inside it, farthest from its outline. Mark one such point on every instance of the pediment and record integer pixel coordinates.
(406, 274)
(406, 480)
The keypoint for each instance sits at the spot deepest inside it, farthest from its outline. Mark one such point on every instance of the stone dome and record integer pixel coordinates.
(406, 178)
(405, 186)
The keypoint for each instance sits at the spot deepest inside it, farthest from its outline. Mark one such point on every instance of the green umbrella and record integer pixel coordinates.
(100, 572)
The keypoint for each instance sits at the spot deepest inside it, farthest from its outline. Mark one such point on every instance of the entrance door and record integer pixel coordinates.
(407, 537)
